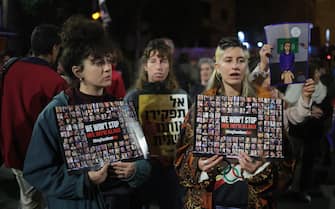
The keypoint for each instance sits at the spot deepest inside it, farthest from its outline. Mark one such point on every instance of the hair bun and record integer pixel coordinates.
(78, 30)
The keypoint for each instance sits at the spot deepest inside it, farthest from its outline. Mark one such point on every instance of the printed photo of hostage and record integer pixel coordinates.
(289, 56)
(286, 61)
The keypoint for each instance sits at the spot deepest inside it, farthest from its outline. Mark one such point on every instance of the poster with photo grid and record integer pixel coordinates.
(92, 134)
(229, 125)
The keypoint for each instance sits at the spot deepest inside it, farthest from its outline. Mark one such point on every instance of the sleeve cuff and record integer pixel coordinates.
(247, 175)
(203, 176)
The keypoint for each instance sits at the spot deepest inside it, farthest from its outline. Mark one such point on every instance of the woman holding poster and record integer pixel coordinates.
(86, 62)
(241, 184)
(161, 107)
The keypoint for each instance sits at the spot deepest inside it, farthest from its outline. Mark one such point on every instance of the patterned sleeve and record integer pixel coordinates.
(186, 163)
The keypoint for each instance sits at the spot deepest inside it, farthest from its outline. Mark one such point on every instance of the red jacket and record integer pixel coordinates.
(117, 89)
(28, 87)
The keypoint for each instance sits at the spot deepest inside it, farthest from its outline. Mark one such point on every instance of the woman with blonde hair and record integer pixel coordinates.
(199, 175)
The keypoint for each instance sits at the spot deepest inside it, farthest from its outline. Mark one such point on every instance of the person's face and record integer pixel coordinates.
(232, 66)
(205, 72)
(95, 74)
(287, 47)
(157, 67)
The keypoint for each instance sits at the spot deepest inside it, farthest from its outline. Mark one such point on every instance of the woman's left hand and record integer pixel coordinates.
(124, 170)
(249, 164)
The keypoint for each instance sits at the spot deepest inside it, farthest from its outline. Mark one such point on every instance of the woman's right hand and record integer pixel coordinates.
(99, 176)
(208, 164)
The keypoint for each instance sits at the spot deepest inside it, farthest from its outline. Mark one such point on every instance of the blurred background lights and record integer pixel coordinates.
(246, 44)
(241, 36)
(96, 15)
(260, 44)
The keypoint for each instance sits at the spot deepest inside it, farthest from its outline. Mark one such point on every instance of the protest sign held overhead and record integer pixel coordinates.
(289, 58)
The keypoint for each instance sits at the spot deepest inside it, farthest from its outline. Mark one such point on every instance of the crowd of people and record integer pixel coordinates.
(91, 70)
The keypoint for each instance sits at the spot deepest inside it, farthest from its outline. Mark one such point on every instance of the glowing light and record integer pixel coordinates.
(328, 57)
(327, 33)
(260, 44)
(241, 36)
(96, 15)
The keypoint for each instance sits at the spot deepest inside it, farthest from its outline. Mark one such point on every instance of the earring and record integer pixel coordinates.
(81, 79)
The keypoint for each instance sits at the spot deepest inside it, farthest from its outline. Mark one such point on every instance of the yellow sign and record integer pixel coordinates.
(161, 116)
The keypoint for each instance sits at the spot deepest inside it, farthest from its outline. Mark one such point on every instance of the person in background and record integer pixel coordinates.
(117, 89)
(182, 68)
(156, 78)
(206, 67)
(306, 138)
(86, 62)
(212, 182)
(5, 55)
(120, 64)
(28, 86)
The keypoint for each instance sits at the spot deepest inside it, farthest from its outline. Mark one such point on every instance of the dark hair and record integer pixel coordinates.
(227, 42)
(287, 42)
(81, 38)
(156, 45)
(160, 46)
(44, 38)
(312, 68)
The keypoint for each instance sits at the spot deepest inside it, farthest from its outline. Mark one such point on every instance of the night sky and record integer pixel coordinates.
(134, 22)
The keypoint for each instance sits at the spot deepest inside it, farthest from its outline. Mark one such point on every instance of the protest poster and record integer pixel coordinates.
(289, 57)
(230, 125)
(161, 116)
(92, 134)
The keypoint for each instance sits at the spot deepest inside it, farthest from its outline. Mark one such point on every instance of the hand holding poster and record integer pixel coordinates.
(230, 125)
(92, 134)
(289, 58)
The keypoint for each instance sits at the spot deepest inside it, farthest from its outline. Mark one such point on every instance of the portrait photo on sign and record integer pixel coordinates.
(289, 57)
